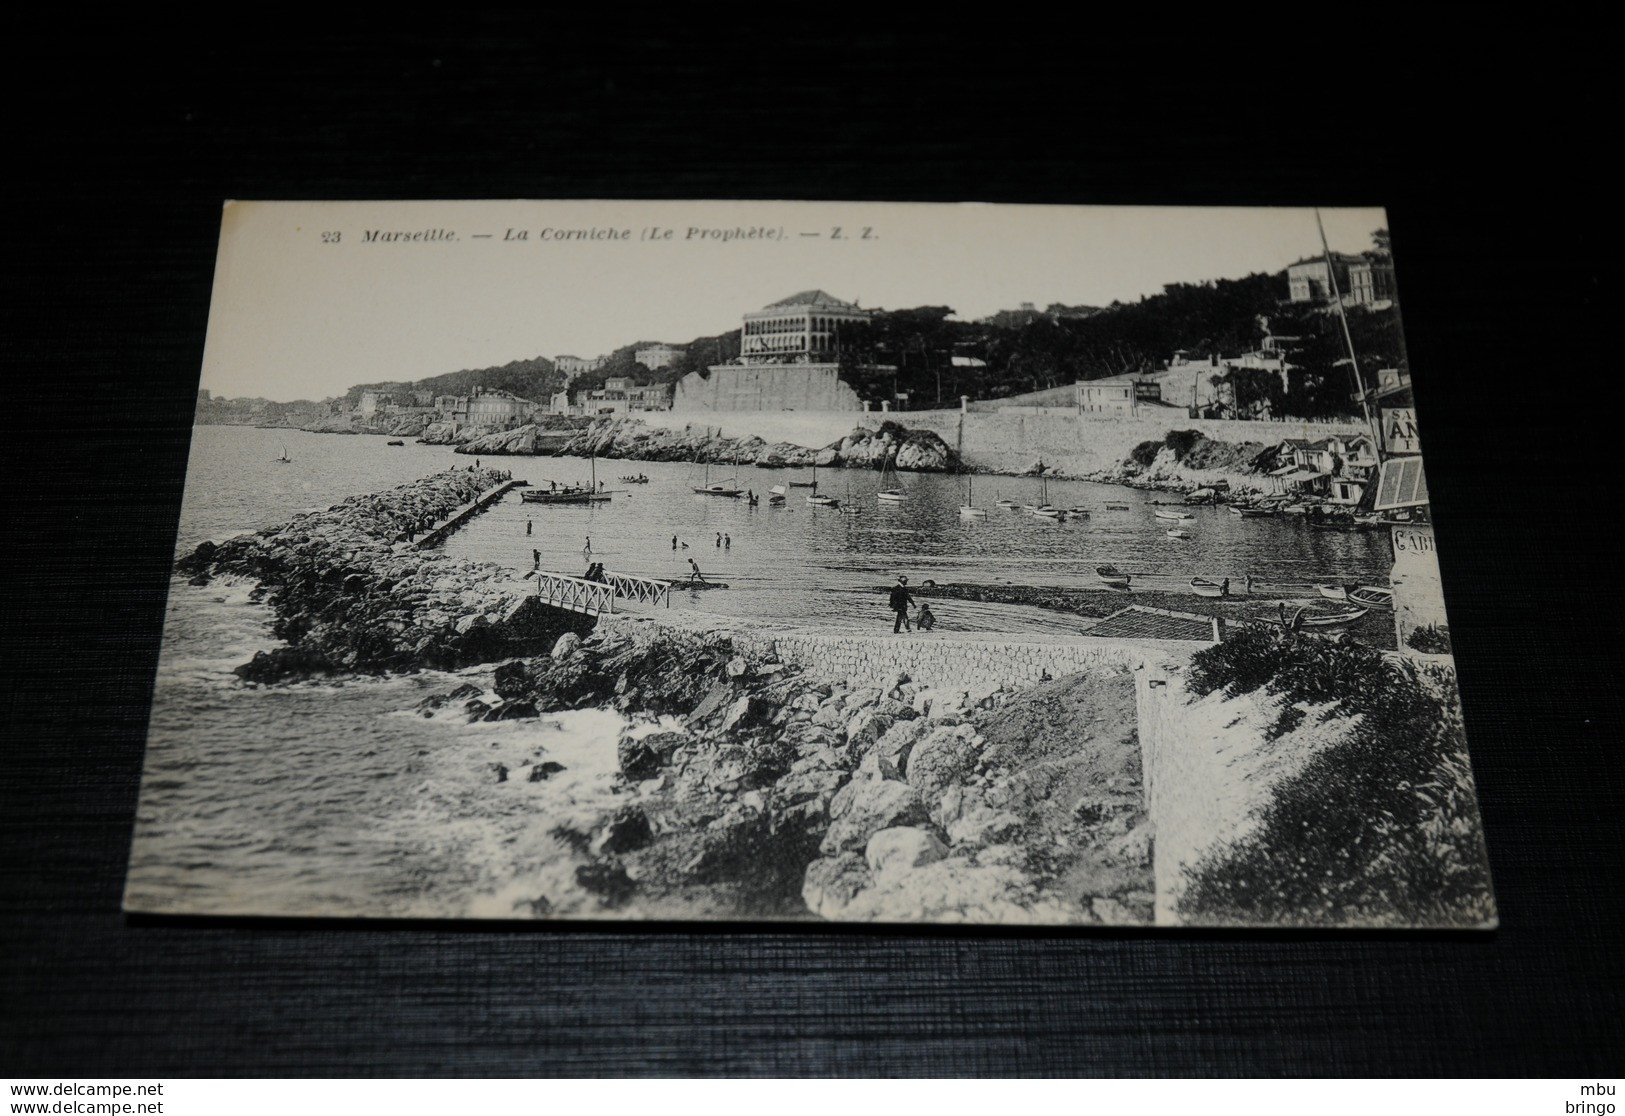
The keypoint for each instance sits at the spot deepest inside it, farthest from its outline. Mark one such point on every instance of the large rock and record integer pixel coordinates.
(892, 852)
(831, 883)
(861, 809)
(945, 757)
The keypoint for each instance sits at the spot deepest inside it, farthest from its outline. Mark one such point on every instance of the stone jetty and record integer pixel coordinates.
(351, 593)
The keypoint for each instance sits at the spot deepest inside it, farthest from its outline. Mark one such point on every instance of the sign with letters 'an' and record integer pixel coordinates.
(1399, 430)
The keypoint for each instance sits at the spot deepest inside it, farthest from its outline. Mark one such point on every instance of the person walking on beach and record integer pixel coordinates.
(695, 574)
(900, 600)
(719, 539)
(727, 542)
(1224, 587)
(586, 551)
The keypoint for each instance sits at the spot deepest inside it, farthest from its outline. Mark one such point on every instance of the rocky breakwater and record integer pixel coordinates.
(919, 450)
(754, 789)
(1188, 460)
(348, 597)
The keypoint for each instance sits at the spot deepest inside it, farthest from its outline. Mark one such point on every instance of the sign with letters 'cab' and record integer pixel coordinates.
(1399, 430)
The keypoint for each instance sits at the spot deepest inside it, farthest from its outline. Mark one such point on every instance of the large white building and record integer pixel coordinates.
(787, 361)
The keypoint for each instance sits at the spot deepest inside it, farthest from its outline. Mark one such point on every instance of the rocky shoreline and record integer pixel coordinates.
(349, 596)
(767, 792)
(631, 440)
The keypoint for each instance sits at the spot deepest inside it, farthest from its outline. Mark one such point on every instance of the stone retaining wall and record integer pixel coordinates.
(956, 661)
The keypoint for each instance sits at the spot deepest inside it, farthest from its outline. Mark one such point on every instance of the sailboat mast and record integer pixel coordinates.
(1348, 339)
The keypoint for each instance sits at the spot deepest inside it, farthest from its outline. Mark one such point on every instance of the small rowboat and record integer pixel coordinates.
(891, 495)
(823, 501)
(850, 509)
(1325, 619)
(1372, 596)
(1339, 593)
(1008, 505)
(1048, 511)
(1112, 576)
(1251, 513)
(1178, 533)
(1078, 512)
(395, 443)
(1164, 513)
(968, 512)
(1117, 507)
(1205, 588)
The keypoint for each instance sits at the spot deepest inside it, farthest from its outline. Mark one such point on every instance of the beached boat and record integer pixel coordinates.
(1251, 513)
(1178, 533)
(1205, 588)
(1372, 596)
(1169, 513)
(1114, 577)
(1117, 507)
(1307, 619)
(1077, 512)
(1339, 593)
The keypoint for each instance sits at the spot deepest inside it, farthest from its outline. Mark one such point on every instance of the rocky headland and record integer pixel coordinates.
(764, 791)
(632, 440)
(350, 595)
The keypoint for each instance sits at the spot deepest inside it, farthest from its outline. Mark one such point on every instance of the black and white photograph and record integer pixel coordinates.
(808, 562)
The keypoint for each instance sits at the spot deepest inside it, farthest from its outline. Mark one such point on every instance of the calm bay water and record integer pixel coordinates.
(336, 799)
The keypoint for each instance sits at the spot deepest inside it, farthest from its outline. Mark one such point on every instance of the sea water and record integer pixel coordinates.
(337, 797)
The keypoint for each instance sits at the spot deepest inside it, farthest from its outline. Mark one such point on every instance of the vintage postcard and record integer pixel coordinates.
(870, 563)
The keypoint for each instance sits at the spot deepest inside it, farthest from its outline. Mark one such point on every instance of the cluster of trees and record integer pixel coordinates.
(535, 379)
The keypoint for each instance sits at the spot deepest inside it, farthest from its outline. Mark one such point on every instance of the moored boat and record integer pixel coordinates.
(1371, 596)
(1307, 619)
(1166, 513)
(1114, 577)
(1205, 588)
(1339, 593)
(1251, 513)
(823, 501)
(1117, 507)
(1178, 533)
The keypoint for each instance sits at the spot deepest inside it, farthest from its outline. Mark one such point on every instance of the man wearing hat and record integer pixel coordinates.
(900, 600)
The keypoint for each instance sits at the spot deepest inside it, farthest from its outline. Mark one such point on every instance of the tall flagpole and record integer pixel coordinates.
(1348, 339)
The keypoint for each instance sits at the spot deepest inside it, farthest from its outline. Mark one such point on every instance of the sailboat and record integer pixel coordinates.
(284, 459)
(721, 488)
(969, 510)
(892, 495)
(1006, 503)
(1044, 509)
(570, 493)
(849, 507)
(812, 484)
(775, 495)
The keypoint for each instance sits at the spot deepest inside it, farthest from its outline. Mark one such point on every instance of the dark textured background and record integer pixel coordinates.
(124, 141)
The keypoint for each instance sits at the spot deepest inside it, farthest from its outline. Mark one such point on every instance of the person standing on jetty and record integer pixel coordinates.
(900, 600)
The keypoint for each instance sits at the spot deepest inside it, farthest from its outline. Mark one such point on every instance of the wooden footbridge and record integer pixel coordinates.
(596, 598)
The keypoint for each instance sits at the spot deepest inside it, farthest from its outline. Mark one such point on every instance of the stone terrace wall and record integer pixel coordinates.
(956, 661)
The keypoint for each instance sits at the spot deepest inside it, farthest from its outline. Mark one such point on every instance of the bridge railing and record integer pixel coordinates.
(635, 588)
(575, 593)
